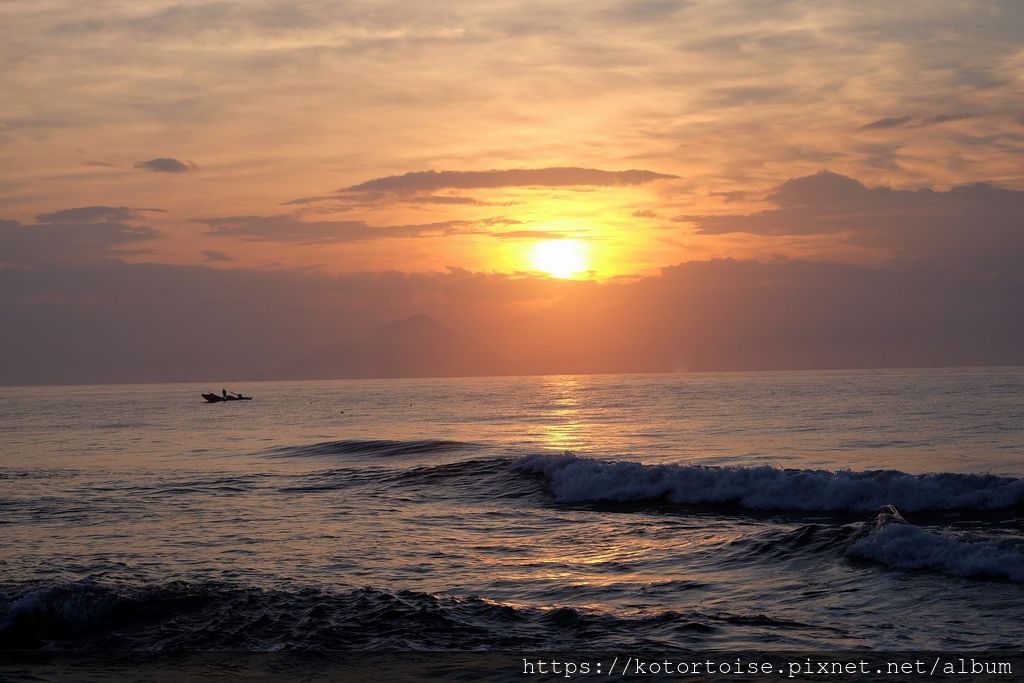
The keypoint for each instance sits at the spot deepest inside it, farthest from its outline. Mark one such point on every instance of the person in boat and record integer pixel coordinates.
(224, 393)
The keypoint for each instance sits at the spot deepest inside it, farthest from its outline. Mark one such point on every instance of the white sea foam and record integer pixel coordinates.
(895, 543)
(574, 479)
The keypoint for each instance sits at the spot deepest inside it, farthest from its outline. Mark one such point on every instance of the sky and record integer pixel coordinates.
(579, 186)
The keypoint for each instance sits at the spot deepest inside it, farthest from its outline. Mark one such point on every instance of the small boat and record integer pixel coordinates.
(219, 398)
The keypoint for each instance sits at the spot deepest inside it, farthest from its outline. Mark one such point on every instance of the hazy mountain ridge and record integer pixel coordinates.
(417, 346)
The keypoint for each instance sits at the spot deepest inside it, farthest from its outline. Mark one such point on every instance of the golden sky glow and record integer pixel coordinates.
(216, 110)
(610, 185)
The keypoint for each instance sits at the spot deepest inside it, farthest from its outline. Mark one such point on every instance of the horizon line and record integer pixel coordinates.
(733, 371)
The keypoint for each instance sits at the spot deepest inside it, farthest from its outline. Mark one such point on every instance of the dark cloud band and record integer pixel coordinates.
(429, 181)
(166, 165)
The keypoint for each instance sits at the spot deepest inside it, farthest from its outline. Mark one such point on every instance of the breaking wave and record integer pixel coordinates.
(574, 479)
(896, 543)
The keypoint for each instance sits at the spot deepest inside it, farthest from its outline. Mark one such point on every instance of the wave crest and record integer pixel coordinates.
(574, 479)
(371, 447)
(896, 543)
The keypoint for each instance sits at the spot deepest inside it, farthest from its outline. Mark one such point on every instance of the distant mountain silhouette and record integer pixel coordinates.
(411, 347)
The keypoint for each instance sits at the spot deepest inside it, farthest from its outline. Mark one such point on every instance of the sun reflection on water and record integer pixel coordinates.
(565, 428)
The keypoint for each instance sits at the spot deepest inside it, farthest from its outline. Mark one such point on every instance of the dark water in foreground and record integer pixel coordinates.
(720, 512)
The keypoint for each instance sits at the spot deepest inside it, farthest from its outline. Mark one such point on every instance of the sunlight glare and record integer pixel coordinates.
(559, 258)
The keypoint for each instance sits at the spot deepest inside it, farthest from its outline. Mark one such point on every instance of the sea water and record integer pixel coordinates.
(714, 511)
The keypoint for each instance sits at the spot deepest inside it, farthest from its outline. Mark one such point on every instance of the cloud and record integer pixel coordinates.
(884, 156)
(79, 234)
(644, 11)
(727, 314)
(581, 55)
(100, 164)
(444, 199)
(417, 188)
(429, 181)
(166, 165)
(500, 220)
(88, 214)
(955, 295)
(970, 226)
(746, 95)
(212, 256)
(886, 123)
(915, 121)
(349, 201)
(289, 229)
(945, 118)
(93, 214)
(701, 315)
(533, 235)
(127, 328)
(36, 129)
(731, 196)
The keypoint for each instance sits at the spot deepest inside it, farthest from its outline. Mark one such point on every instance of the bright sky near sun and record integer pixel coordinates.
(559, 258)
(577, 139)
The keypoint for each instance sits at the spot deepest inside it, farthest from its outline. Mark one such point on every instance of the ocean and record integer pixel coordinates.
(812, 511)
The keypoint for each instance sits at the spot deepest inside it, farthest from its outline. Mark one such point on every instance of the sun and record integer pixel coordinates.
(559, 258)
